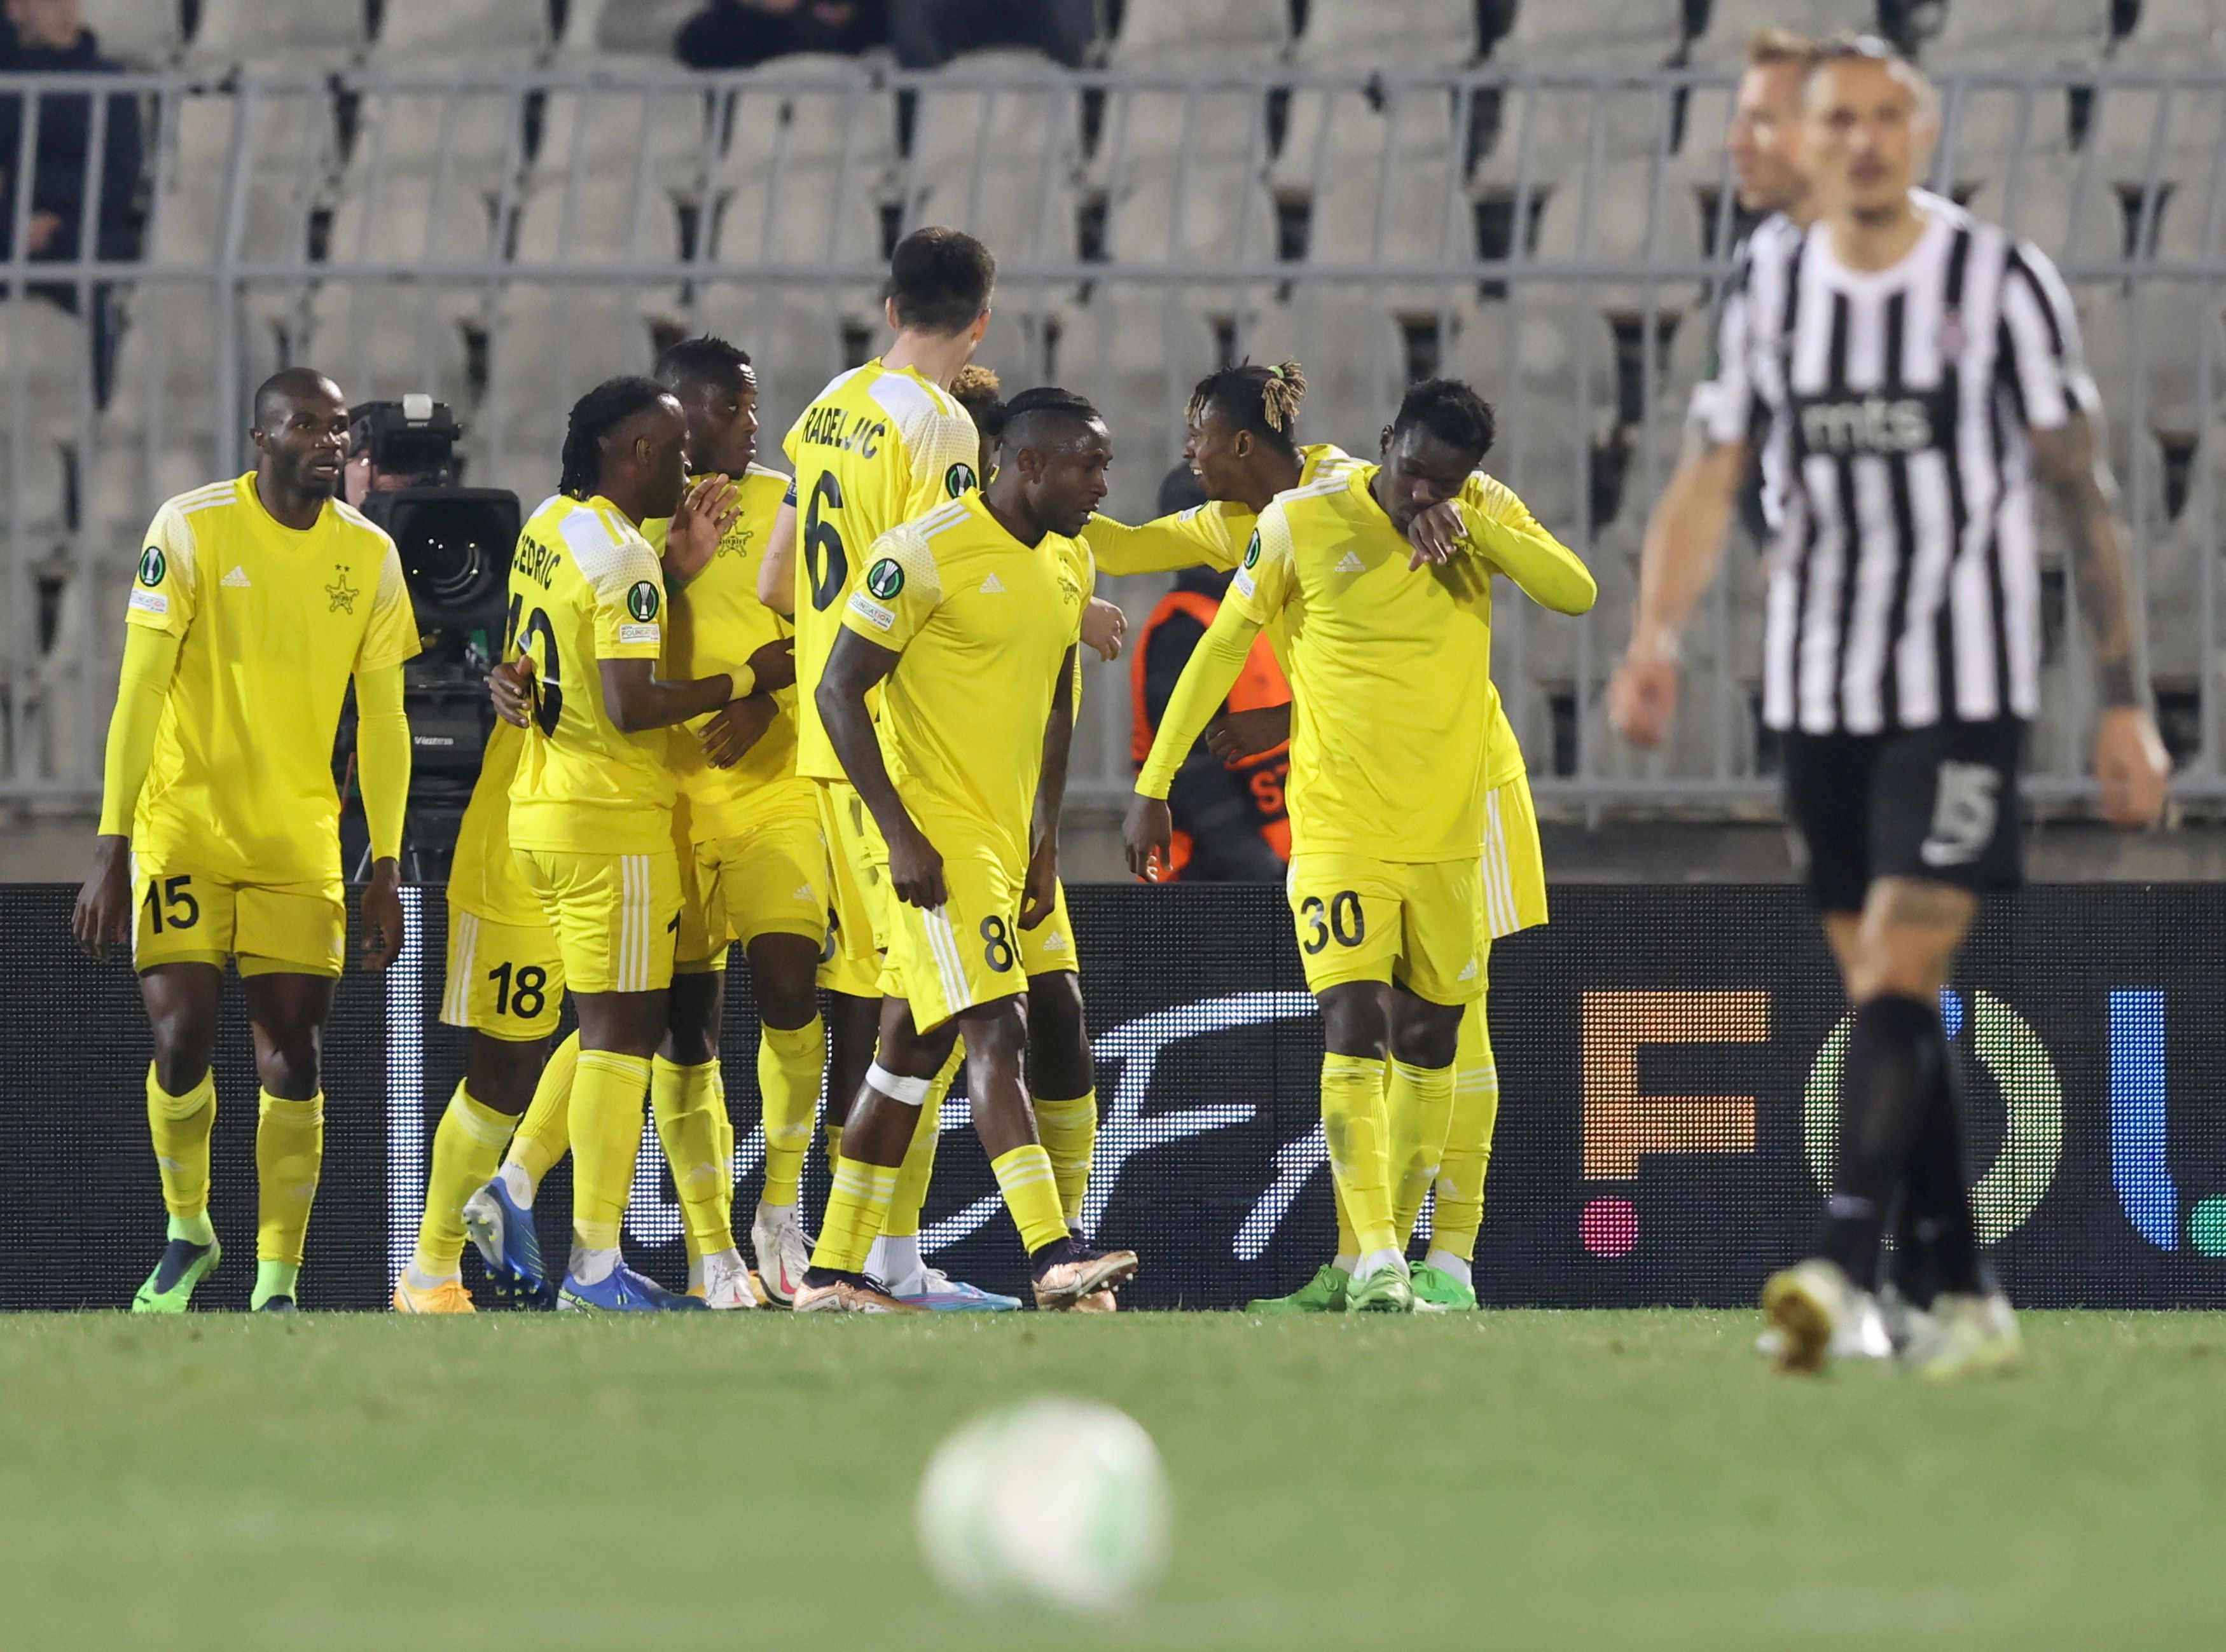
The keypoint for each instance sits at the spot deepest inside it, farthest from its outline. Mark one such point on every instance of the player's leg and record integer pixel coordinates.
(1440, 973)
(504, 987)
(498, 1218)
(1446, 1278)
(687, 1099)
(792, 1061)
(1062, 1077)
(287, 1013)
(883, 1116)
(182, 999)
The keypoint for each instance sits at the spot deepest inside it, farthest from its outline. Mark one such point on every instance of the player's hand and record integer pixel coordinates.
(1435, 535)
(510, 685)
(1039, 892)
(2131, 766)
(1105, 628)
(1148, 834)
(1235, 736)
(916, 869)
(382, 916)
(706, 512)
(102, 917)
(1642, 697)
(774, 666)
(734, 727)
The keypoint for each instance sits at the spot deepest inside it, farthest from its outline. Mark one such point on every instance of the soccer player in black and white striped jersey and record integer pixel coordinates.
(1921, 375)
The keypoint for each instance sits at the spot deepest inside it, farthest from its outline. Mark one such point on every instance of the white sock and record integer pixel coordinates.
(1445, 1262)
(518, 1185)
(419, 1280)
(721, 1267)
(593, 1266)
(1375, 1262)
(1345, 1264)
(776, 1215)
(893, 1260)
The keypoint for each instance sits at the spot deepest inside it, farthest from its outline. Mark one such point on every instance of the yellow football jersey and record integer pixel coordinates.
(272, 623)
(715, 624)
(1212, 535)
(876, 448)
(982, 624)
(1391, 668)
(483, 878)
(585, 587)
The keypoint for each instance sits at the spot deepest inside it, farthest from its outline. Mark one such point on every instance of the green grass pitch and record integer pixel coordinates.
(1505, 1480)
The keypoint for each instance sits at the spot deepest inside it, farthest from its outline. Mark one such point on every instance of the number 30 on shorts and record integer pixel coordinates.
(1339, 919)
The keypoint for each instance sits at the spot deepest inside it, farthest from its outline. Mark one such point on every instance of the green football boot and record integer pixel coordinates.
(1438, 1291)
(171, 1287)
(1323, 1294)
(1387, 1290)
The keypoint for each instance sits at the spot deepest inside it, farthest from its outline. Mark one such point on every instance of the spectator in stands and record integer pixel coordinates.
(928, 34)
(51, 38)
(740, 34)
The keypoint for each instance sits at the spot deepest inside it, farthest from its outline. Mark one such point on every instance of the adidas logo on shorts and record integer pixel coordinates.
(1469, 973)
(801, 892)
(237, 577)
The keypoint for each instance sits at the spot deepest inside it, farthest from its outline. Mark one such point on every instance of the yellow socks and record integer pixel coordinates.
(289, 1154)
(690, 1104)
(791, 1060)
(1460, 1211)
(1419, 1103)
(606, 1097)
(467, 1152)
(857, 1204)
(1031, 1191)
(1069, 1132)
(911, 1197)
(1355, 1119)
(544, 1134)
(181, 1126)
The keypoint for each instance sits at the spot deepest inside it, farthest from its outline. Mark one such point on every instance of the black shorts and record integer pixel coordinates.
(1939, 803)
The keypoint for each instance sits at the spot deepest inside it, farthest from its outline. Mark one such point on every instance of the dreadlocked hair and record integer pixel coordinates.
(594, 415)
(975, 390)
(1263, 400)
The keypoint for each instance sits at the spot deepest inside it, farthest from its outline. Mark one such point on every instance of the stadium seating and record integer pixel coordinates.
(1722, 43)
(1174, 34)
(629, 28)
(276, 33)
(1432, 34)
(484, 33)
(139, 33)
(2024, 34)
(1594, 35)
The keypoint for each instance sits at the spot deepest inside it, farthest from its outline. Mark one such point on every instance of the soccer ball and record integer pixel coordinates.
(1056, 1502)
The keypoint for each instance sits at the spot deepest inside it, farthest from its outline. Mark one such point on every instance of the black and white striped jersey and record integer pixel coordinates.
(1903, 583)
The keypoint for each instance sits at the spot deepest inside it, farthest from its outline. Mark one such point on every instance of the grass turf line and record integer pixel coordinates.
(1517, 1479)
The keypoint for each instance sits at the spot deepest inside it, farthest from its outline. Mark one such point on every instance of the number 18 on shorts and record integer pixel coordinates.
(1363, 919)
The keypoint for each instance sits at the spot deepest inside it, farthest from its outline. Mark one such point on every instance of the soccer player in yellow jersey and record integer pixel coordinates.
(257, 601)
(969, 618)
(879, 446)
(591, 806)
(1390, 771)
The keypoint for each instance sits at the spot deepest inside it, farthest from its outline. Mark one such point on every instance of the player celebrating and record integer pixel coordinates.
(1389, 780)
(881, 445)
(1917, 371)
(968, 618)
(257, 601)
(591, 807)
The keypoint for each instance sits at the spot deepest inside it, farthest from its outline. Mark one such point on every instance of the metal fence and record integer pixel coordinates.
(506, 239)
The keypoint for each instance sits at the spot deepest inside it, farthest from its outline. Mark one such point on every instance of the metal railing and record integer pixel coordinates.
(506, 239)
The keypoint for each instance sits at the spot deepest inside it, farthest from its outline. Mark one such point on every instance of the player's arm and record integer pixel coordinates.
(1189, 538)
(1041, 893)
(638, 700)
(855, 667)
(382, 745)
(777, 573)
(1516, 545)
(1262, 585)
(743, 721)
(103, 914)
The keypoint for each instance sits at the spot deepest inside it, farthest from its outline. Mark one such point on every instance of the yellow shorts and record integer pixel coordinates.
(187, 917)
(613, 916)
(1365, 919)
(505, 980)
(1049, 947)
(857, 894)
(965, 952)
(771, 881)
(1514, 865)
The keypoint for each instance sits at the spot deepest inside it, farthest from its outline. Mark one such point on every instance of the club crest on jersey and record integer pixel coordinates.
(885, 579)
(1252, 548)
(342, 594)
(957, 480)
(642, 600)
(152, 566)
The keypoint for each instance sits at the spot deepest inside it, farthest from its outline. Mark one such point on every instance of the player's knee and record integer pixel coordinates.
(290, 1069)
(782, 979)
(996, 1033)
(1425, 1034)
(1355, 1023)
(179, 1066)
